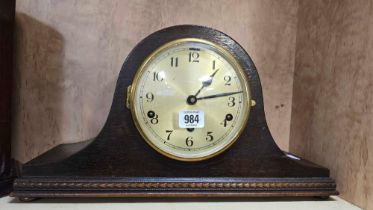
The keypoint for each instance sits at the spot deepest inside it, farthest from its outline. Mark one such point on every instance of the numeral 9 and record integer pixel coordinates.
(149, 97)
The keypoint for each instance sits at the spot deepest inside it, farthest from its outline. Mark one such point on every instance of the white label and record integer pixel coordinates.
(191, 119)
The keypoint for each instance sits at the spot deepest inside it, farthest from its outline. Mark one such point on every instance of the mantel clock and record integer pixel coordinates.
(187, 120)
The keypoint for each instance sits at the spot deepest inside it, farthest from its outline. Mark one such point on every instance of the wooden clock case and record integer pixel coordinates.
(7, 13)
(119, 163)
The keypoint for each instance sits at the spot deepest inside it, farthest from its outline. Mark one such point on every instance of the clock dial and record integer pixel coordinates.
(190, 99)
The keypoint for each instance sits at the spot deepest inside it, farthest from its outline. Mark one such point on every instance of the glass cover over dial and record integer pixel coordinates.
(190, 99)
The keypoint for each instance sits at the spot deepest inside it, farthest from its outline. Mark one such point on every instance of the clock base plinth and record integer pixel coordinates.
(173, 187)
(65, 171)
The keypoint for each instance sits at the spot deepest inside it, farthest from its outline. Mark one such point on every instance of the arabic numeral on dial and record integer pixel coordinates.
(227, 80)
(174, 61)
(189, 141)
(209, 136)
(154, 120)
(231, 101)
(169, 132)
(149, 97)
(157, 77)
(194, 57)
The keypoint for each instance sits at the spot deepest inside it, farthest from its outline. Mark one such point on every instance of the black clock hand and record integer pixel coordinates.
(206, 82)
(219, 95)
(192, 99)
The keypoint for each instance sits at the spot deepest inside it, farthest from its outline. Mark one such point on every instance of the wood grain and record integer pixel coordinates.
(332, 100)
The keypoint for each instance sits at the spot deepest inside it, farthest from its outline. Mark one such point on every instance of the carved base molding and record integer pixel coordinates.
(173, 187)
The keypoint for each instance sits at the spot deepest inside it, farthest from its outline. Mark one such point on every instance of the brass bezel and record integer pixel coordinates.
(227, 55)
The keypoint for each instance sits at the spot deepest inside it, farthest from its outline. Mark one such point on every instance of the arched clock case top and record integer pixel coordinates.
(119, 163)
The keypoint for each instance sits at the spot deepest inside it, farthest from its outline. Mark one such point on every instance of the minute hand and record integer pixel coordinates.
(219, 95)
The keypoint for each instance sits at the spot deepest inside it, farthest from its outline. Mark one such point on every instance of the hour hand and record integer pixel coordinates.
(219, 95)
(207, 82)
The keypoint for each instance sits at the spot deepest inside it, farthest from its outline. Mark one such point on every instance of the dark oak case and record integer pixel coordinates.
(119, 163)
(7, 12)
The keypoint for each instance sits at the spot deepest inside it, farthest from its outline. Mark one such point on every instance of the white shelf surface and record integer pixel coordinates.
(333, 203)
